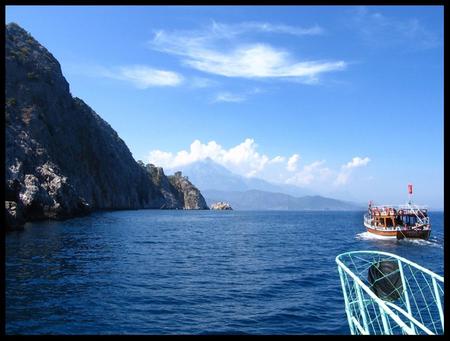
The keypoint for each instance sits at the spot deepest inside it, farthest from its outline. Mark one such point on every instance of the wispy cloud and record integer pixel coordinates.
(202, 82)
(140, 76)
(228, 97)
(313, 172)
(144, 77)
(380, 30)
(243, 95)
(228, 30)
(258, 61)
(346, 170)
(203, 51)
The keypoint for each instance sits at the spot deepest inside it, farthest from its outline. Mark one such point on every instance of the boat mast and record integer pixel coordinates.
(410, 192)
(413, 207)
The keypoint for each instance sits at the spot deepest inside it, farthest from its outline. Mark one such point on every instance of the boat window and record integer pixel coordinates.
(409, 220)
(389, 222)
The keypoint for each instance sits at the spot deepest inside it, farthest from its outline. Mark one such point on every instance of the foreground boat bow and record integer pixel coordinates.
(388, 294)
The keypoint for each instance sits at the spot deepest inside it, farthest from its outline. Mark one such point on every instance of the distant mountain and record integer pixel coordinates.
(209, 175)
(262, 200)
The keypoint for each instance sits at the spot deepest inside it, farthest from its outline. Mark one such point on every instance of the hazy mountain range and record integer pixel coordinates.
(217, 183)
(262, 200)
(207, 174)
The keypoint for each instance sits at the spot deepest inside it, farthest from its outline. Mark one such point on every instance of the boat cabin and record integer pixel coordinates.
(390, 217)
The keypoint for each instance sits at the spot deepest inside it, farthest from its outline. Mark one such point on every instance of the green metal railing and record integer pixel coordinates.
(416, 304)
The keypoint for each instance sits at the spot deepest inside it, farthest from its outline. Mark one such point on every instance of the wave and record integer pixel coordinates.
(433, 242)
(370, 236)
(422, 242)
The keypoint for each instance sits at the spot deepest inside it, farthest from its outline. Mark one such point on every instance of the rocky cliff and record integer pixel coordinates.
(62, 159)
(187, 193)
(177, 190)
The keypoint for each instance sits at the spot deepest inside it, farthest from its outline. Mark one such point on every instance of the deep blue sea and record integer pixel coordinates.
(191, 272)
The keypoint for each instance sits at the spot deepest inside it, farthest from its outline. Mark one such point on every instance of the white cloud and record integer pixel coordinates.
(346, 170)
(203, 51)
(228, 97)
(242, 158)
(144, 77)
(201, 82)
(243, 95)
(159, 157)
(313, 172)
(259, 61)
(280, 28)
(380, 30)
(356, 162)
(227, 30)
(292, 163)
(141, 76)
(342, 178)
(277, 159)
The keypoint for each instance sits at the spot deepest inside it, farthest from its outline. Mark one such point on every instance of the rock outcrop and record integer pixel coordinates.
(13, 214)
(62, 159)
(178, 191)
(221, 206)
(188, 194)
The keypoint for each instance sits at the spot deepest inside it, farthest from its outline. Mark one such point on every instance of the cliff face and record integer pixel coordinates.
(62, 159)
(177, 190)
(187, 193)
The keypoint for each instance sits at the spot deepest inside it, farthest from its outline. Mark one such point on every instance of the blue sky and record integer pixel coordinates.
(346, 101)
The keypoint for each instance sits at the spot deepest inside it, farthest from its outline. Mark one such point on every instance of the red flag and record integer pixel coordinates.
(410, 189)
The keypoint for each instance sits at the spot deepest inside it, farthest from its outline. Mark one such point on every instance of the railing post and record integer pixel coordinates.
(438, 302)
(405, 292)
(386, 314)
(384, 320)
(347, 304)
(361, 308)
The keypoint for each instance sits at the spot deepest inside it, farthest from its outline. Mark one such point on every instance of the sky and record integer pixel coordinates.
(346, 101)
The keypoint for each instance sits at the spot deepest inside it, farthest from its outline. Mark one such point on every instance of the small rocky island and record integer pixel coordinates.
(221, 206)
(62, 159)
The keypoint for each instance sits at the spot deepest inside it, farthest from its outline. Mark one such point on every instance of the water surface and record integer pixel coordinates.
(196, 272)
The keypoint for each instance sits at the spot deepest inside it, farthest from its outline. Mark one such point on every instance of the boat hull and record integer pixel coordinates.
(420, 234)
(392, 234)
(401, 234)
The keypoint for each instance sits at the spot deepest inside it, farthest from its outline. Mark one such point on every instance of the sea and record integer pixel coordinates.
(191, 272)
